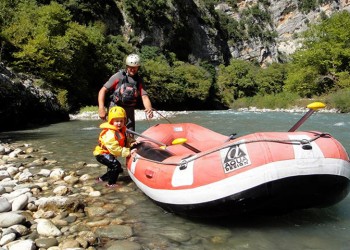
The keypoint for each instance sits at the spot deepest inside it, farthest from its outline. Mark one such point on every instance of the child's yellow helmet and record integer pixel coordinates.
(116, 112)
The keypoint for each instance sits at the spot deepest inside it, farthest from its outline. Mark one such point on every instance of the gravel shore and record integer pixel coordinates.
(42, 206)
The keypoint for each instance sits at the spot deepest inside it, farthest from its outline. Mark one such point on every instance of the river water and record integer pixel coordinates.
(326, 228)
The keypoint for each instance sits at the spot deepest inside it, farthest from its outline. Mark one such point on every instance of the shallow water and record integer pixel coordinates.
(326, 228)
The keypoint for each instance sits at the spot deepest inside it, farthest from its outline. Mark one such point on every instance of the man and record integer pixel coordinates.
(126, 87)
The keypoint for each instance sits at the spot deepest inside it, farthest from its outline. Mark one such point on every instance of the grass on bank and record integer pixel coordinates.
(338, 100)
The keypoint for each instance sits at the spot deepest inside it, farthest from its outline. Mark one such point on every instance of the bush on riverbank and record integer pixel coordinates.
(338, 100)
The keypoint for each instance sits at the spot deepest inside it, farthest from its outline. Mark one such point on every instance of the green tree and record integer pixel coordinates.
(271, 80)
(195, 80)
(237, 80)
(157, 77)
(318, 66)
(48, 44)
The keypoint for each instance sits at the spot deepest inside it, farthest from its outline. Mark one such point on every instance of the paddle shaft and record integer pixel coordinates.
(312, 108)
(146, 137)
(302, 120)
(190, 147)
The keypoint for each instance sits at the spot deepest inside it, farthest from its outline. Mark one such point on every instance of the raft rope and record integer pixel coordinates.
(189, 159)
(148, 119)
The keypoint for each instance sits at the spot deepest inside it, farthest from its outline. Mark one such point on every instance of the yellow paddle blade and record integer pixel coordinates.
(316, 105)
(179, 141)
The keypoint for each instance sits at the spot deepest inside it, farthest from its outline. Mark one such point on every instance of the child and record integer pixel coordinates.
(113, 142)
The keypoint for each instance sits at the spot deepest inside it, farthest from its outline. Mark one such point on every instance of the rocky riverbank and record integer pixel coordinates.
(43, 206)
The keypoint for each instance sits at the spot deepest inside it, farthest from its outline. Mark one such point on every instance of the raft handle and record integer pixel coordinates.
(183, 165)
(305, 144)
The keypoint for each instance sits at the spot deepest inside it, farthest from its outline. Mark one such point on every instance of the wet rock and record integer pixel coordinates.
(175, 234)
(99, 223)
(118, 232)
(46, 242)
(95, 211)
(124, 245)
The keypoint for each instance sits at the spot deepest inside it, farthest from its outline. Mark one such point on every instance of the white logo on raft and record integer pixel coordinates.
(234, 158)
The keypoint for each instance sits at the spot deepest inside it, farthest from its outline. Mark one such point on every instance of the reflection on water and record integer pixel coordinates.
(327, 228)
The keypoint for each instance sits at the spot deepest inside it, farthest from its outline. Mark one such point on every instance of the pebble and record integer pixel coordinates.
(42, 206)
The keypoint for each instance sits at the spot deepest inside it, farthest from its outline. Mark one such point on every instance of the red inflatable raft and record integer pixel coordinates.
(214, 175)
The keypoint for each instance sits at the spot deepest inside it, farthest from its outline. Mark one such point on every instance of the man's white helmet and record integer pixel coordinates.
(133, 60)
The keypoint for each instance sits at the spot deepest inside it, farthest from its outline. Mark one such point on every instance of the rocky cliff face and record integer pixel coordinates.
(201, 37)
(23, 105)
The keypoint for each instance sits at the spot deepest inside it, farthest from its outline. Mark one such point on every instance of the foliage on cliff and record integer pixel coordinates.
(74, 46)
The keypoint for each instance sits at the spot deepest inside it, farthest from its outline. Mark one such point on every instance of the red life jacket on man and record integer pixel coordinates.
(126, 90)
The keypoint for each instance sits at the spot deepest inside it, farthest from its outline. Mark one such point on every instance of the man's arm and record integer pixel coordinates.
(148, 106)
(101, 103)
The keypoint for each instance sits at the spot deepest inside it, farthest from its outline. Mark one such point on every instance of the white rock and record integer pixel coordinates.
(95, 193)
(71, 179)
(57, 174)
(20, 202)
(22, 245)
(5, 205)
(2, 190)
(16, 193)
(61, 190)
(15, 153)
(47, 228)
(7, 238)
(25, 176)
(85, 177)
(20, 229)
(12, 170)
(4, 174)
(45, 172)
(9, 219)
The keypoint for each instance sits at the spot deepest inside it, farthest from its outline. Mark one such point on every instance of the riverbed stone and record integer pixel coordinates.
(5, 205)
(20, 202)
(57, 203)
(57, 174)
(22, 245)
(7, 238)
(44, 172)
(9, 219)
(46, 242)
(4, 174)
(61, 190)
(47, 228)
(95, 211)
(11, 196)
(70, 244)
(124, 245)
(2, 190)
(119, 232)
(20, 229)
